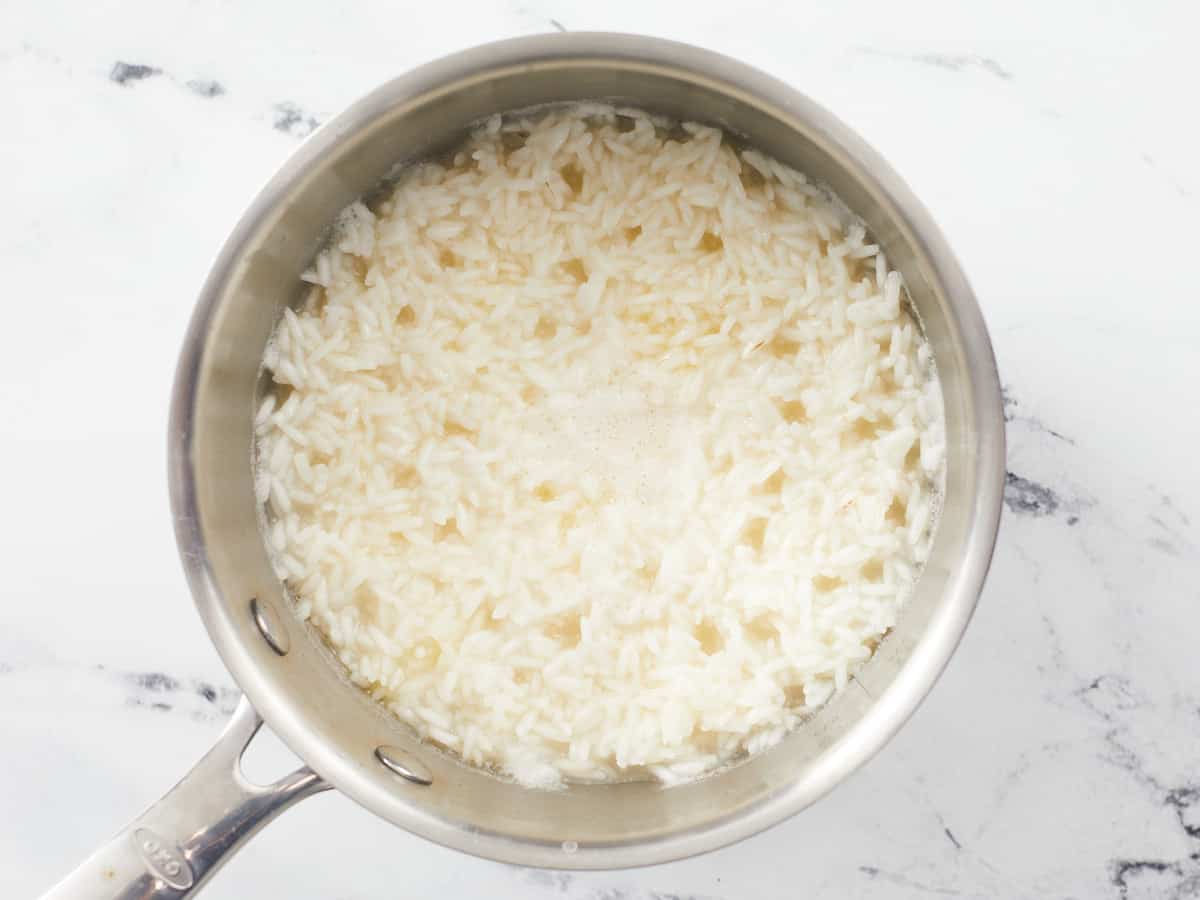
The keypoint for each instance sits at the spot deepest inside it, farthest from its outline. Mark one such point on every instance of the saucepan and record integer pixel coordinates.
(293, 681)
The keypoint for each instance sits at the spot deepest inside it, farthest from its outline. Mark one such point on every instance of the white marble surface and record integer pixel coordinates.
(1056, 143)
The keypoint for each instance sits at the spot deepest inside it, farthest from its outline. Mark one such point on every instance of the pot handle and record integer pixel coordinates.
(175, 846)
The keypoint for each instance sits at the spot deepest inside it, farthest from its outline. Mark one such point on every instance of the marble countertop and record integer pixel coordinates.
(1056, 144)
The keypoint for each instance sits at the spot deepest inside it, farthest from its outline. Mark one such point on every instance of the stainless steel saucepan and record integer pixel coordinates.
(293, 681)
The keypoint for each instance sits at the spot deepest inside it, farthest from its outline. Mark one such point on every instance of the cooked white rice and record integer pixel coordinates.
(601, 449)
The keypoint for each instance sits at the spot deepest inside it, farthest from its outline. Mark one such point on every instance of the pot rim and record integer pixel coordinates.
(913, 681)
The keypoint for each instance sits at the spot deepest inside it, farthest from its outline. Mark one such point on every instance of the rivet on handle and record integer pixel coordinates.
(269, 626)
(403, 765)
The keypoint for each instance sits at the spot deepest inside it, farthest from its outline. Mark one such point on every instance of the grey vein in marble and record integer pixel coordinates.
(1186, 802)
(205, 87)
(568, 884)
(621, 893)
(1113, 698)
(550, 879)
(1171, 526)
(908, 884)
(956, 62)
(951, 62)
(1011, 415)
(291, 119)
(1171, 180)
(124, 73)
(1151, 878)
(1026, 497)
(164, 693)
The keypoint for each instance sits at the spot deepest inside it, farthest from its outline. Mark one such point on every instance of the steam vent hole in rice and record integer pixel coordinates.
(600, 449)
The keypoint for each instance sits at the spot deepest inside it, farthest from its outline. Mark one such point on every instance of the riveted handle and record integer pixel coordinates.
(175, 846)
